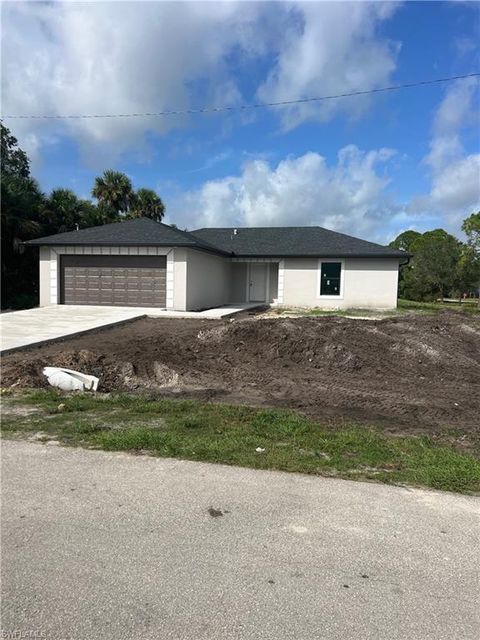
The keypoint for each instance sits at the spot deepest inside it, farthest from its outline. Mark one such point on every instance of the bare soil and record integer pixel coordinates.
(411, 374)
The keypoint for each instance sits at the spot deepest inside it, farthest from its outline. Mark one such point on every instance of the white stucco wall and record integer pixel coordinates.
(44, 278)
(372, 282)
(367, 283)
(179, 298)
(208, 280)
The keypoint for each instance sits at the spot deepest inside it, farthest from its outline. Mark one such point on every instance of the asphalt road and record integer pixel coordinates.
(106, 546)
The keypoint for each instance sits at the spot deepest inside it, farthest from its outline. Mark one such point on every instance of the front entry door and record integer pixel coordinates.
(257, 282)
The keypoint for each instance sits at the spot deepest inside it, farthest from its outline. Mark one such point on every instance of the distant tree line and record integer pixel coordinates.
(441, 266)
(27, 213)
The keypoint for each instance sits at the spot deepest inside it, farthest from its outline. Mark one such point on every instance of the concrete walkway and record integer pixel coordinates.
(113, 547)
(20, 329)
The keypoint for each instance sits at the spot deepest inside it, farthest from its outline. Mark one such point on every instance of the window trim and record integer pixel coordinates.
(319, 278)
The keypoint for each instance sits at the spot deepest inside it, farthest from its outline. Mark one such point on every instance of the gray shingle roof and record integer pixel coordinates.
(137, 232)
(293, 241)
(275, 242)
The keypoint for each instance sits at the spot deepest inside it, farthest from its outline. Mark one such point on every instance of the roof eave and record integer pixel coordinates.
(320, 255)
(183, 245)
(66, 243)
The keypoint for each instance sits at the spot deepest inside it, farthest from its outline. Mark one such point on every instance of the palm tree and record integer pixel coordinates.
(114, 190)
(147, 204)
(63, 210)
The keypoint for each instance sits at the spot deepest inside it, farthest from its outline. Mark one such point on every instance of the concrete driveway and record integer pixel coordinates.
(20, 329)
(113, 546)
(34, 326)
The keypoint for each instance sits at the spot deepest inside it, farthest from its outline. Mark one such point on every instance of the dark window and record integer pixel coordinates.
(330, 278)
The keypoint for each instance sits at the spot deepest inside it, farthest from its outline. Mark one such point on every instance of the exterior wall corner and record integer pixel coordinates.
(179, 284)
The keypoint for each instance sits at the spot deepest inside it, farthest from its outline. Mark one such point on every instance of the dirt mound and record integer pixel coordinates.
(414, 371)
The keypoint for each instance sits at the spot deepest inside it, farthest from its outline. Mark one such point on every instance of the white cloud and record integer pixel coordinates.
(457, 186)
(129, 57)
(455, 174)
(332, 48)
(349, 196)
(453, 113)
(352, 194)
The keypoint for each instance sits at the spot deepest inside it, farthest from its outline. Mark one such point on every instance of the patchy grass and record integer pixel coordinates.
(469, 307)
(298, 311)
(231, 434)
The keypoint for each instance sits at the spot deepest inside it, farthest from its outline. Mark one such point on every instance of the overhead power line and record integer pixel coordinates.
(244, 107)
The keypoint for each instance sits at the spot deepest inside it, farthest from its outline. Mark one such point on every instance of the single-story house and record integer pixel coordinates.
(149, 264)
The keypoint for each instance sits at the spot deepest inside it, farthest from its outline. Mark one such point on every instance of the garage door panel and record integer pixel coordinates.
(114, 280)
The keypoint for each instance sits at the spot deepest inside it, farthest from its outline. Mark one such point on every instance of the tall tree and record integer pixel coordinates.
(62, 211)
(21, 203)
(471, 228)
(114, 190)
(147, 204)
(404, 241)
(433, 270)
(14, 160)
(469, 263)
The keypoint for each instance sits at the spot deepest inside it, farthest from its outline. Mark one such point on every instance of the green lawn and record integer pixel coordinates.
(231, 434)
(404, 306)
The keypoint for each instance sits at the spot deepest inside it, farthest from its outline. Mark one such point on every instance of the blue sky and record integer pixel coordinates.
(371, 167)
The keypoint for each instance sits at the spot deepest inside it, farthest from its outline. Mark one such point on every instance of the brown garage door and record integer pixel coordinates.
(130, 281)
